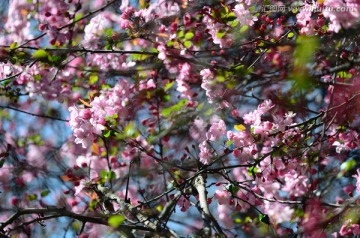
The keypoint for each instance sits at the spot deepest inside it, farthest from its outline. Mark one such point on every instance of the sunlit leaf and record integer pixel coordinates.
(95, 149)
(189, 35)
(244, 28)
(111, 175)
(220, 34)
(103, 174)
(177, 107)
(240, 127)
(106, 133)
(264, 219)
(187, 44)
(40, 54)
(13, 45)
(93, 79)
(116, 220)
(84, 102)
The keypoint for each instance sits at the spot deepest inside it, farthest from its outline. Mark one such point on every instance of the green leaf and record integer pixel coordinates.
(180, 33)
(2, 163)
(106, 133)
(244, 28)
(187, 44)
(78, 16)
(170, 43)
(252, 170)
(220, 34)
(232, 189)
(303, 55)
(169, 85)
(31, 197)
(93, 79)
(177, 107)
(111, 175)
(116, 220)
(238, 220)
(348, 165)
(103, 174)
(264, 219)
(189, 35)
(166, 98)
(93, 204)
(290, 35)
(108, 32)
(45, 193)
(229, 143)
(130, 129)
(40, 54)
(233, 23)
(54, 58)
(231, 17)
(13, 45)
(220, 78)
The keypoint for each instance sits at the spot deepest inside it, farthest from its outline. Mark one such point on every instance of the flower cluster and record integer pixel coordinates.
(47, 82)
(216, 131)
(342, 14)
(214, 90)
(85, 123)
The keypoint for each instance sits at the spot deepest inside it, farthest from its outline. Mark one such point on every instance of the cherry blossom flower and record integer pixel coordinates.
(345, 18)
(357, 176)
(295, 184)
(278, 212)
(205, 153)
(216, 131)
(349, 229)
(224, 212)
(223, 196)
(244, 16)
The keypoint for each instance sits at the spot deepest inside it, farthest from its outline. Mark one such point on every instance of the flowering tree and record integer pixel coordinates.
(179, 118)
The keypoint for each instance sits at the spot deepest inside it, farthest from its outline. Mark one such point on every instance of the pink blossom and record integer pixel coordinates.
(95, 29)
(314, 214)
(223, 197)
(224, 212)
(205, 153)
(265, 106)
(341, 19)
(147, 85)
(216, 131)
(357, 176)
(348, 229)
(241, 139)
(162, 52)
(85, 114)
(244, 16)
(83, 137)
(83, 130)
(305, 21)
(198, 130)
(184, 203)
(278, 212)
(215, 27)
(207, 74)
(35, 155)
(295, 184)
